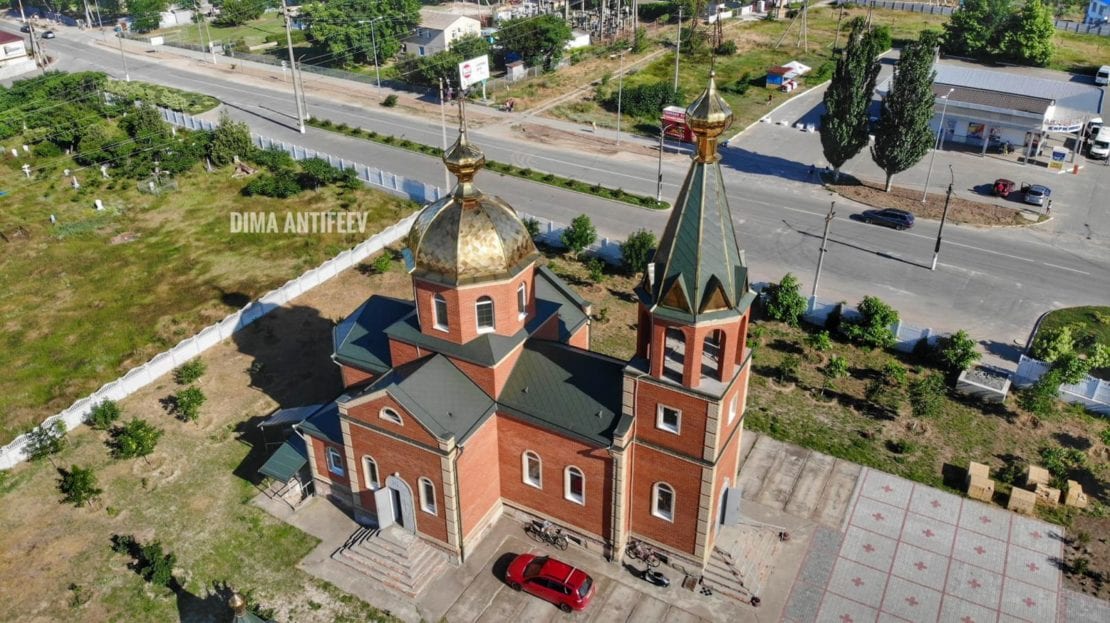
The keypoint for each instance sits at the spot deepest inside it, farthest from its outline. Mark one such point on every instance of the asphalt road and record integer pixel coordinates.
(993, 282)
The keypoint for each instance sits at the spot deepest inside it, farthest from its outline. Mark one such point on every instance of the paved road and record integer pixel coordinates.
(995, 283)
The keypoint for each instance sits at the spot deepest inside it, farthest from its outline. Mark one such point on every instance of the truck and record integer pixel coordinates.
(1102, 78)
(674, 125)
(1100, 144)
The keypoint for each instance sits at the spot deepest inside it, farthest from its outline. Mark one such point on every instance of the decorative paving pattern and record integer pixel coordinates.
(915, 553)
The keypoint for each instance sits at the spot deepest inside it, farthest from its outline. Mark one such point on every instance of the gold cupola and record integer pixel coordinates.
(708, 117)
(466, 236)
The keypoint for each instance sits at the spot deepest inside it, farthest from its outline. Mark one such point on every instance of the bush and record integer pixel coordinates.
(579, 235)
(273, 158)
(104, 414)
(783, 300)
(787, 370)
(820, 341)
(155, 565)
(390, 101)
(637, 250)
(1054, 343)
(645, 100)
(872, 329)
(596, 268)
(136, 439)
(1060, 462)
(956, 353)
(45, 439)
(46, 149)
(727, 48)
(1041, 398)
(823, 73)
(187, 403)
(835, 320)
(78, 485)
(1104, 435)
(927, 395)
(533, 227)
(382, 263)
(189, 372)
(279, 185)
(230, 139)
(316, 172)
(836, 368)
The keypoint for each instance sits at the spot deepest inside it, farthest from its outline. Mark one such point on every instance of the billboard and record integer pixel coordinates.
(473, 71)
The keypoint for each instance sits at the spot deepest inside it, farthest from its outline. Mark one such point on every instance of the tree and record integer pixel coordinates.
(156, 566)
(1071, 368)
(885, 389)
(344, 27)
(819, 341)
(872, 328)
(1040, 398)
(429, 70)
(1027, 36)
(903, 136)
(45, 439)
(189, 372)
(533, 227)
(579, 235)
(1060, 462)
(1052, 344)
(787, 370)
(187, 403)
(316, 172)
(135, 439)
(78, 485)
(927, 395)
(784, 302)
(637, 250)
(104, 414)
(955, 353)
(836, 368)
(540, 41)
(975, 28)
(146, 14)
(230, 139)
(238, 12)
(844, 128)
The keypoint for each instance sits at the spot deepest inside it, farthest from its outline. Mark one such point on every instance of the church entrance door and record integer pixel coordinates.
(395, 504)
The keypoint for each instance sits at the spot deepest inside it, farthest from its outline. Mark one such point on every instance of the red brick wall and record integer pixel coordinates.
(691, 437)
(479, 486)
(549, 330)
(556, 453)
(410, 463)
(649, 467)
(354, 376)
(581, 337)
(401, 353)
(369, 412)
(490, 380)
(319, 450)
(462, 320)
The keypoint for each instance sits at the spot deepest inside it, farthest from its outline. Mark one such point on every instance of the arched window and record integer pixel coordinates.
(532, 469)
(390, 415)
(427, 496)
(335, 462)
(439, 312)
(732, 407)
(662, 501)
(370, 473)
(484, 310)
(712, 349)
(574, 485)
(674, 354)
(522, 300)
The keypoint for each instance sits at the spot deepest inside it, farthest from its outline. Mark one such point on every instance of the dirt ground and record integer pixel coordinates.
(584, 140)
(962, 211)
(1090, 540)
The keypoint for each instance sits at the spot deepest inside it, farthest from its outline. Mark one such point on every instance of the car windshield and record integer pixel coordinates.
(585, 588)
(1036, 191)
(533, 568)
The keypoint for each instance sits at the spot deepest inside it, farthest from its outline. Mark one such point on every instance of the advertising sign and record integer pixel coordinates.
(473, 71)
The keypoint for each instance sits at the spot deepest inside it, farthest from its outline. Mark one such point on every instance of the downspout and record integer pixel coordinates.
(458, 505)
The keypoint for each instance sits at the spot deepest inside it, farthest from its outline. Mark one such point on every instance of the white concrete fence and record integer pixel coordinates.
(1092, 393)
(551, 234)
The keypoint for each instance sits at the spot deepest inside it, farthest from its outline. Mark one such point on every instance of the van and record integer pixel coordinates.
(1103, 75)
(1100, 146)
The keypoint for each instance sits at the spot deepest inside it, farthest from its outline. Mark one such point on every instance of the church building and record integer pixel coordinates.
(480, 396)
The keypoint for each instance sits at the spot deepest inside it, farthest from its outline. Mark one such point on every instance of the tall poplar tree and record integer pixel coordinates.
(975, 29)
(1028, 36)
(844, 124)
(903, 136)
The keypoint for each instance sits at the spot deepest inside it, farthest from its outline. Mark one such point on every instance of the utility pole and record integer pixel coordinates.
(30, 30)
(126, 74)
(836, 39)
(374, 40)
(824, 247)
(293, 62)
(943, 216)
(298, 75)
(677, 48)
(939, 143)
(620, 94)
(208, 34)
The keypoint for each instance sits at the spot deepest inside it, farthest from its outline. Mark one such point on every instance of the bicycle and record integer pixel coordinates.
(545, 532)
(638, 550)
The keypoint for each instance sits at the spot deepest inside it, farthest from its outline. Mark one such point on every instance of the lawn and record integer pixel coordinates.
(1089, 325)
(101, 292)
(253, 32)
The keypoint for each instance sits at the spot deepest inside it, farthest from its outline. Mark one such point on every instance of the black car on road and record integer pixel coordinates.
(890, 217)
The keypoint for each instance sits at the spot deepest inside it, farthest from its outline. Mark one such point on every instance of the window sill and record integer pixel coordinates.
(430, 512)
(482, 330)
(579, 502)
(534, 485)
(663, 517)
(440, 327)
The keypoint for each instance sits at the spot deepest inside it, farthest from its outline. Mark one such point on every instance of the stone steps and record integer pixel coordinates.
(741, 568)
(395, 558)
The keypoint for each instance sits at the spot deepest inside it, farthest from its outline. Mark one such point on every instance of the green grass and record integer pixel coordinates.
(253, 32)
(79, 310)
(1089, 325)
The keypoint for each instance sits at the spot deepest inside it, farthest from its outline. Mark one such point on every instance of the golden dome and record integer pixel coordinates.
(463, 160)
(708, 117)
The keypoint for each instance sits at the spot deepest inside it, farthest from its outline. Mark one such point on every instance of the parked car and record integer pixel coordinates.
(552, 580)
(1035, 194)
(1002, 187)
(890, 217)
(48, 34)
(25, 28)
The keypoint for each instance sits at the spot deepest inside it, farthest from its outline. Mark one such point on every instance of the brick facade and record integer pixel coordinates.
(353, 376)
(462, 325)
(479, 486)
(651, 466)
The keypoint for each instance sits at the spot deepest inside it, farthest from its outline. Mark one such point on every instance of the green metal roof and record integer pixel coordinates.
(486, 349)
(437, 394)
(360, 339)
(553, 291)
(698, 266)
(324, 424)
(287, 460)
(567, 389)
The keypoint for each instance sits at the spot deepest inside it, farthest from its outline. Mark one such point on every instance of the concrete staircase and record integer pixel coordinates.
(394, 557)
(742, 561)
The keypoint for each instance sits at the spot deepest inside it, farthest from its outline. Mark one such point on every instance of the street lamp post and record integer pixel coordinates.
(663, 125)
(943, 216)
(620, 94)
(374, 41)
(936, 143)
(824, 248)
(126, 74)
(677, 48)
(293, 65)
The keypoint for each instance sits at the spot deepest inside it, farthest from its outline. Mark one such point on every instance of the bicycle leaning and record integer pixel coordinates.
(545, 532)
(638, 550)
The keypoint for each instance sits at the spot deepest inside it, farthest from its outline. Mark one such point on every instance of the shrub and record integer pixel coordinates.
(229, 140)
(835, 320)
(956, 353)
(823, 73)
(187, 403)
(836, 368)
(390, 101)
(927, 395)
(885, 390)
(645, 100)
(46, 149)
(189, 372)
(382, 263)
(78, 485)
(637, 250)
(787, 370)
(316, 172)
(579, 235)
(1054, 343)
(1040, 398)
(727, 48)
(872, 328)
(1104, 435)
(279, 185)
(155, 565)
(596, 268)
(104, 414)
(783, 300)
(1060, 462)
(820, 341)
(45, 439)
(273, 158)
(135, 439)
(533, 227)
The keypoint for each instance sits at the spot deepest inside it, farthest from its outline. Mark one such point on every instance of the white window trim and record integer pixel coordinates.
(374, 484)
(395, 418)
(566, 485)
(493, 315)
(438, 322)
(522, 293)
(677, 430)
(426, 505)
(732, 407)
(524, 469)
(655, 502)
(335, 462)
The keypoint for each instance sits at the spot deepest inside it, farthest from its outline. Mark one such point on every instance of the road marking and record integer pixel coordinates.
(1074, 270)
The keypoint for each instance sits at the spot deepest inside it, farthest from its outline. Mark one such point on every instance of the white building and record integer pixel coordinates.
(14, 59)
(438, 31)
(1098, 12)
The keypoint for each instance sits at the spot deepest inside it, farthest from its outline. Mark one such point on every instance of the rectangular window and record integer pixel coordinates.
(440, 312)
(664, 503)
(421, 50)
(335, 462)
(732, 408)
(668, 419)
(427, 496)
(522, 300)
(484, 310)
(575, 486)
(532, 471)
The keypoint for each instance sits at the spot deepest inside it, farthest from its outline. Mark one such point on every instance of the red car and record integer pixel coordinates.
(547, 578)
(1002, 187)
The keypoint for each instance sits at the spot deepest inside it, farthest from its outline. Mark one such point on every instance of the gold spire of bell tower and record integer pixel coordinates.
(708, 117)
(462, 158)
